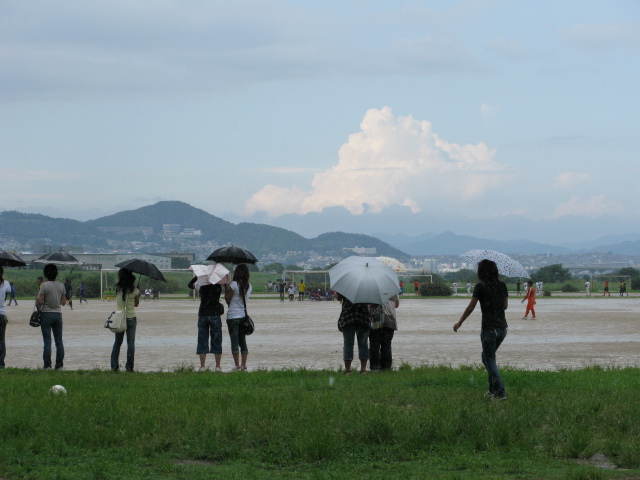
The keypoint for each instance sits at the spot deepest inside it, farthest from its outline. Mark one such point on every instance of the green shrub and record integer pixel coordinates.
(435, 290)
(546, 293)
(567, 287)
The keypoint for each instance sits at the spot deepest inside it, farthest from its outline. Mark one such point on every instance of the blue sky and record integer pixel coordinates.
(491, 118)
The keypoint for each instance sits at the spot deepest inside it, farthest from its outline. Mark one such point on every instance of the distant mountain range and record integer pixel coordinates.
(258, 238)
(449, 243)
(263, 239)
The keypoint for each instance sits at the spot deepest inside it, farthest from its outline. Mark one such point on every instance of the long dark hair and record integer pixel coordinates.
(1, 276)
(241, 277)
(126, 282)
(488, 273)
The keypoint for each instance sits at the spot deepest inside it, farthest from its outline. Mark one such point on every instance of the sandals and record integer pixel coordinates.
(363, 372)
(347, 372)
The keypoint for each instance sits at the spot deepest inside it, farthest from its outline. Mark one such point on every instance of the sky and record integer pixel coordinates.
(501, 119)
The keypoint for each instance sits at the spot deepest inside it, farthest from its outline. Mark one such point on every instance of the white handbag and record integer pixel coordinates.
(117, 321)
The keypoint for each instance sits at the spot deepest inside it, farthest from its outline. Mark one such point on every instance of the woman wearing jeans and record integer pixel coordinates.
(209, 322)
(354, 323)
(236, 297)
(4, 291)
(52, 298)
(493, 297)
(127, 298)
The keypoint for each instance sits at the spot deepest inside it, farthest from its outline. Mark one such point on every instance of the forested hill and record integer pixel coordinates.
(337, 240)
(167, 212)
(260, 239)
(36, 228)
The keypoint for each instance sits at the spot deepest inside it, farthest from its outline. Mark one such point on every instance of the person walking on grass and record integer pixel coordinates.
(587, 288)
(127, 298)
(530, 297)
(354, 323)
(606, 288)
(236, 296)
(5, 289)
(52, 298)
(494, 300)
(12, 295)
(209, 322)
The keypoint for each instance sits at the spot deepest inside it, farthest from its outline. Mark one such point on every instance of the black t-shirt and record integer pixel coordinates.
(492, 305)
(209, 299)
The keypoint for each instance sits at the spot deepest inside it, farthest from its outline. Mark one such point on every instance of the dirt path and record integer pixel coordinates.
(569, 333)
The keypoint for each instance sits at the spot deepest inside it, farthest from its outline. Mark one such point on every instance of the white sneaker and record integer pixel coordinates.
(203, 369)
(218, 370)
(524, 318)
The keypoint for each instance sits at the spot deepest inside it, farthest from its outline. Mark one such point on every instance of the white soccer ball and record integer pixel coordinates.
(58, 389)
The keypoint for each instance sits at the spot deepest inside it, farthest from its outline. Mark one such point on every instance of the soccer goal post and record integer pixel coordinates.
(598, 282)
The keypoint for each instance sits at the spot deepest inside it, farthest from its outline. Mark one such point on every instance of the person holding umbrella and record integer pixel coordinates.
(5, 289)
(494, 300)
(209, 321)
(236, 296)
(52, 298)
(127, 297)
(354, 322)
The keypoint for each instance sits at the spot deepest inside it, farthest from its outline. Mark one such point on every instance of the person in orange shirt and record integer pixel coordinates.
(531, 301)
(606, 289)
(416, 285)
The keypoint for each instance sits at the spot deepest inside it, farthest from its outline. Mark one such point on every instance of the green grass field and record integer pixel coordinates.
(429, 422)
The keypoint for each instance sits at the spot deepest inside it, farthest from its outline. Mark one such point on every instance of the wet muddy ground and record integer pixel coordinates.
(569, 333)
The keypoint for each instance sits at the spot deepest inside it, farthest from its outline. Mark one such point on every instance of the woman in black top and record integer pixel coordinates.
(209, 323)
(493, 297)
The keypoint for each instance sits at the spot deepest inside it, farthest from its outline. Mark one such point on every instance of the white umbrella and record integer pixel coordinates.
(364, 280)
(507, 266)
(212, 274)
(395, 264)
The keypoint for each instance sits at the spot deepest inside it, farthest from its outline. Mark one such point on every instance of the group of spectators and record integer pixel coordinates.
(372, 325)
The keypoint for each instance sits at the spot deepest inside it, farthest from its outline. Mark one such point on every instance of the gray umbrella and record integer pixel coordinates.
(8, 259)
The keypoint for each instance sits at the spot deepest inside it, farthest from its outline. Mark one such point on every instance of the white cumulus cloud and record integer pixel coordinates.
(588, 207)
(393, 160)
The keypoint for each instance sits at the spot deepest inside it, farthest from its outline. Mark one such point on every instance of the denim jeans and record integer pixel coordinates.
(52, 322)
(380, 348)
(349, 334)
(237, 336)
(3, 347)
(131, 346)
(209, 326)
(491, 340)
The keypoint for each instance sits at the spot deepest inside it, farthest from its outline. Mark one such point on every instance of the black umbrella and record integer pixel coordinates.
(59, 258)
(143, 268)
(233, 255)
(10, 260)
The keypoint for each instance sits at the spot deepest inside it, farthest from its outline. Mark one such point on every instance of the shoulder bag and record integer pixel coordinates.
(246, 324)
(36, 319)
(117, 321)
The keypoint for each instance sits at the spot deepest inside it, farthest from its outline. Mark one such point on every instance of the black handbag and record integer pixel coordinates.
(246, 324)
(36, 319)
